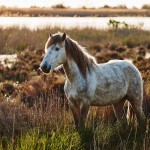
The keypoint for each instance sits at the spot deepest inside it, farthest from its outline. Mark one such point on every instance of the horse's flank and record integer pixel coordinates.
(74, 51)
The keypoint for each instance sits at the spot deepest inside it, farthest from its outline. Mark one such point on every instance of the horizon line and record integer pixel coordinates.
(122, 6)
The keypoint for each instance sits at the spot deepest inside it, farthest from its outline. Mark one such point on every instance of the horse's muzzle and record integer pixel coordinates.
(45, 68)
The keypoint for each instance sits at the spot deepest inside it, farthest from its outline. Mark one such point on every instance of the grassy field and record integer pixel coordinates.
(71, 12)
(34, 113)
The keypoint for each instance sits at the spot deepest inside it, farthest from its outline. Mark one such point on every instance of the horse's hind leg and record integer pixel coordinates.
(135, 96)
(136, 99)
(137, 108)
(119, 110)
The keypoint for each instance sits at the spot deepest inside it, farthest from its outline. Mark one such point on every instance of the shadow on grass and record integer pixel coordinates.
(115, 136)
(86, 138)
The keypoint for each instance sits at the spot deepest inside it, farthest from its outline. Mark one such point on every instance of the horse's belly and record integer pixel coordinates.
(108, 96)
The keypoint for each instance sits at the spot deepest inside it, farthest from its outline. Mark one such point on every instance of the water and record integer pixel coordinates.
(6, 60)
(34, 23)
(147, 55)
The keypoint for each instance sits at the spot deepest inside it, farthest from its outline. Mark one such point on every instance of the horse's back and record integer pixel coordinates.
(114, 79)
(120, 66)
(121, 69)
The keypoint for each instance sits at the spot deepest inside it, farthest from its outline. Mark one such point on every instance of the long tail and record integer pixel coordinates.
(130, 114)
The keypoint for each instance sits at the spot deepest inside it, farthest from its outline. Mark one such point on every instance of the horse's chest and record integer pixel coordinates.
(75, 90)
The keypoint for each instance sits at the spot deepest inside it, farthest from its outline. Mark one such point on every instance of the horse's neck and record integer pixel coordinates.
(72, 71)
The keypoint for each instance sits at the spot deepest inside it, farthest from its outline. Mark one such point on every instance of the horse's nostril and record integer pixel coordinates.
(45, 69)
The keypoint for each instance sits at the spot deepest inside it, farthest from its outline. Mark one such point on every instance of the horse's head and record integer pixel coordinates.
(55, 53)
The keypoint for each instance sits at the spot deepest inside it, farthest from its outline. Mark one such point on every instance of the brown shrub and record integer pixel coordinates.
(120, 49)
(42, 87)
(144, 66)
(106, 56)
(141, 51)
(112, 46)
(98, 48)
(7, 88)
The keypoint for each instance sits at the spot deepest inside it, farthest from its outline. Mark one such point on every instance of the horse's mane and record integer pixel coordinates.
(74, 51)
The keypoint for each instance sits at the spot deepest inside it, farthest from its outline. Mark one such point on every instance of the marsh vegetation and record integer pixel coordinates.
(34, 113)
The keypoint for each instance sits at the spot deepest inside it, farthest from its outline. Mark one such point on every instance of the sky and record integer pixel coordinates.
(73, 3)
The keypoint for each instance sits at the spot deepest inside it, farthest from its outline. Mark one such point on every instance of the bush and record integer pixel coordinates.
(105, 57)
(7, 88)
(60, 6)
(146, 6)
(130, 42)
(112, 46)
(120, 49)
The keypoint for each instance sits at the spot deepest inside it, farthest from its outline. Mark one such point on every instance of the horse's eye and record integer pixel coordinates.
(57, 48)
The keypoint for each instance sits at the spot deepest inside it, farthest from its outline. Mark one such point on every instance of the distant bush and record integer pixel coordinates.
(84, 7)
(116, 7)
(146, 6)
(120, 7)
(34, 6)
(2, 7)
(60, 6)
(106, 6)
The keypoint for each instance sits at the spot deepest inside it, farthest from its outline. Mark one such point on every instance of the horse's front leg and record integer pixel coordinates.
(75, 109)
(84, 108)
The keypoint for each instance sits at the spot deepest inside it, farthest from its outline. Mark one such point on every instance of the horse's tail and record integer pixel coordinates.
(130, 113)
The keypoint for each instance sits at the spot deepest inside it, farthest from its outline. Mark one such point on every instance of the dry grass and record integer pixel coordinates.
(22, 127)
(16, 40)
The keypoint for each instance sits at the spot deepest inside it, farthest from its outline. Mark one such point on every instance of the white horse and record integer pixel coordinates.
(91, 84)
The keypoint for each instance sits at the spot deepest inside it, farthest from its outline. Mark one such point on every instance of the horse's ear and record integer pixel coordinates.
(63, 36)
(50, 35)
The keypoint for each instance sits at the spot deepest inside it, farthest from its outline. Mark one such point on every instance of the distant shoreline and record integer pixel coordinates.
(73, 12)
